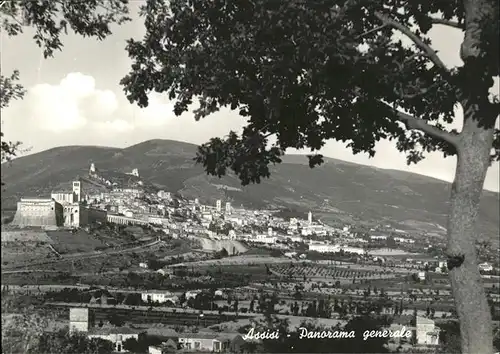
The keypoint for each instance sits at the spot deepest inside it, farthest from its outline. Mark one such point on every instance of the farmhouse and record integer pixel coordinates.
(117, 336)
(213, 342)
(158, 296)
(426, 331)
(324, 248)
(79, 322)
(166, 347)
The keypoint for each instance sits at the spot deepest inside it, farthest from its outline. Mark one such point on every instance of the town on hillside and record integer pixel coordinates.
(147, 271)
(246, 177)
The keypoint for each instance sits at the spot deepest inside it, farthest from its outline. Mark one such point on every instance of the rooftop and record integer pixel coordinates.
(165, 292)
(207, 335)
(36, 199)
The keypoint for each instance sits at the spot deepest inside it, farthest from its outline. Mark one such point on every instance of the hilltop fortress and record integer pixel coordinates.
(94, 174)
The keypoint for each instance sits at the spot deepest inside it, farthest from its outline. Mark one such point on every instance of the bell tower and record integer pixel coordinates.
(77, 191)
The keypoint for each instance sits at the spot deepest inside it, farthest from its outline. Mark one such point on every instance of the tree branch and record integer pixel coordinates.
(431, 54)
(449, 23)
(418, 124)
(405, 96)
(371, 31)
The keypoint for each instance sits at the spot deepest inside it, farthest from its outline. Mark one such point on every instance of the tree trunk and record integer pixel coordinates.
(473, 160)
(477, 51)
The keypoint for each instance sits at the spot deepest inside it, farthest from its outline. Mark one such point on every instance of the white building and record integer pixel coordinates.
(200, 342)
(191, 294)
(63, 197)
(378, 238)
(164, 195)
(485, 267)
(117, 336)
(135, 172)
(264, 239)
(207, 216)
(158, 296)
(78, 320)
(294, 224)
(295, 238)
(310, 218)
(168, 347)
(228, 208)
(426, 331)
(403, 240)
(324, 248)
(319, 230)
(236, 220)
(158, 220)
(218, 205)
(356, 250)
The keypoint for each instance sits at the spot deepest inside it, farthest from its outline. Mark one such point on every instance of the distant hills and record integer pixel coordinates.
(336, 191)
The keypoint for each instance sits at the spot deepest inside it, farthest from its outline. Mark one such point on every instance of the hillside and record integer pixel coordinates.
(337, 190)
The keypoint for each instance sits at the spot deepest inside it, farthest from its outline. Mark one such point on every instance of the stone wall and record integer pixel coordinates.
(38, 212)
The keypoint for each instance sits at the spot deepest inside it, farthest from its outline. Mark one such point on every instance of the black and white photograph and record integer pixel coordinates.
(250, 176)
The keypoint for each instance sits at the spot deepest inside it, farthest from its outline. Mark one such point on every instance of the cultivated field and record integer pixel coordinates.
(66, 241)
(25, 236)
(241, 260)
(316, 271)
(25, 252)
(391, 252)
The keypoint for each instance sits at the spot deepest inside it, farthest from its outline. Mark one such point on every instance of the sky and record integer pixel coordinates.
(75, 98)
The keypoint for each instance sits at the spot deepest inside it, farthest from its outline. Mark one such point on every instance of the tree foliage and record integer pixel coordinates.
(51, 19)
(356, 71)
(9, 90)
(21, 332)
(305, 73)
(62, 342)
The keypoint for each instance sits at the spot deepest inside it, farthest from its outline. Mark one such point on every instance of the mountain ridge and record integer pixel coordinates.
(337, 189)
(288, 158)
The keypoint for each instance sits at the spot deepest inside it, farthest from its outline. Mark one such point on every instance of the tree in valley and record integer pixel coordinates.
(22, 332)
(449, 337)
(50, 20)
(9, 90)
(62, 342)
(309, 72)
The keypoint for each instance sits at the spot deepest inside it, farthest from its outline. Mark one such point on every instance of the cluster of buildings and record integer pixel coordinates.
(199, 342)
(334, 248)
(62, 209)
(131, 205)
